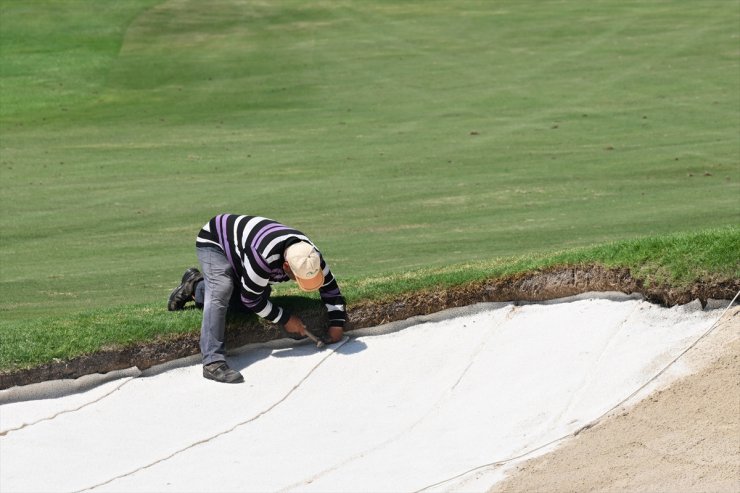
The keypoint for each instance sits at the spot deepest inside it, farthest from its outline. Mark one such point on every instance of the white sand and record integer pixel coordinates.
(399, 411)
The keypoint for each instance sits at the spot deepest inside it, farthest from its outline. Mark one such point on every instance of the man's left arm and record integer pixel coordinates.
(335, 304)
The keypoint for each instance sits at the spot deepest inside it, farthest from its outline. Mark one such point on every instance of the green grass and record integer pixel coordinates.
(399, 135)
(677, 260)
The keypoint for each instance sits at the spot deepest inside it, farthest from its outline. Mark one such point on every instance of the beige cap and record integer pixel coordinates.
(305, 262)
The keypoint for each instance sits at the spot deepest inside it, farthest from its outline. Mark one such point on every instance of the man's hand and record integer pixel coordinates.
(335, 334)
(294, 325)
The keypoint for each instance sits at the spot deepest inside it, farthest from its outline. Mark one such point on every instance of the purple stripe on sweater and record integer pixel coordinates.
(218, 229)
(249, 303)
(259, 237)
(224, 237)
(260, 260)
(265, 231)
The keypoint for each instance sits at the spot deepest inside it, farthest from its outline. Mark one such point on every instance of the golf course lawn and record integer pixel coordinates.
(401, 136)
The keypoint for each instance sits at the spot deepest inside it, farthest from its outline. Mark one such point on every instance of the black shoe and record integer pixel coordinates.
(220, 372)
(184, 292)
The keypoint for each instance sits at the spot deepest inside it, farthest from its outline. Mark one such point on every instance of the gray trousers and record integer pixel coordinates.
(219, 279)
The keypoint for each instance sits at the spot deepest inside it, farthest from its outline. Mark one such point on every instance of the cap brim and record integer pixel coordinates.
(311, 284)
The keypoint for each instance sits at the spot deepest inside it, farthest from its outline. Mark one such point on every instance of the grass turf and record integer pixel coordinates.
(399, 135)
(676, 260)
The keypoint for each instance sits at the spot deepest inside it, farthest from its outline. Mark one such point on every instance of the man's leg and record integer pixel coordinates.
(219, 284)
(200, 294)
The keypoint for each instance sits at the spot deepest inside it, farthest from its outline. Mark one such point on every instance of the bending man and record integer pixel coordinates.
(244, 255)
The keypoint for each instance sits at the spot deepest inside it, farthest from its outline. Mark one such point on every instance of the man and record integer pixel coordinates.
(244, 255)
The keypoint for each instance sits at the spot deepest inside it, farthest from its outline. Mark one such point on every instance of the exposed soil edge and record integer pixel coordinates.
(532, 286)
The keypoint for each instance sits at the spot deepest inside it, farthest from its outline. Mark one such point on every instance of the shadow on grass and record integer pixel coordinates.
(243, 326)
(309, 310)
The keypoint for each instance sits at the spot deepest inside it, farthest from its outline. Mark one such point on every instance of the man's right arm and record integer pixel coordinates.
(260, 304)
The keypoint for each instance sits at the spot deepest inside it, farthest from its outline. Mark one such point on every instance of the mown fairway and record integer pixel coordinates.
(397, 134)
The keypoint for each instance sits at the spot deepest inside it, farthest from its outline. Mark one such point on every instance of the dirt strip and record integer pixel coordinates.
(533, 286)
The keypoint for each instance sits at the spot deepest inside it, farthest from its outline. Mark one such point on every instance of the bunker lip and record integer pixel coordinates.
(540, 285)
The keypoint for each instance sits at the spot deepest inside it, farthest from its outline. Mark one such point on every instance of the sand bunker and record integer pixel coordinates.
(434, 406)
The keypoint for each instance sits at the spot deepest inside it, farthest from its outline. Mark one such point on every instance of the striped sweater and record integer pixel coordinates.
(254, 246)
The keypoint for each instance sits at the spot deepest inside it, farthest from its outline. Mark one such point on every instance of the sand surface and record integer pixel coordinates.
(683, 438)
(423, 408)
